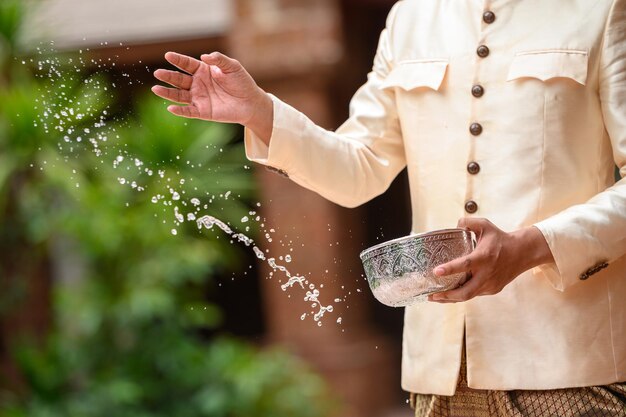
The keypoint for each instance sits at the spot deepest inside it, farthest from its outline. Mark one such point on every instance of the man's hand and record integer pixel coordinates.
(498, 259)
(215, 88)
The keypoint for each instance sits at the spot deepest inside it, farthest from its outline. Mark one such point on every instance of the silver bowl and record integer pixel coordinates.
(400, 271)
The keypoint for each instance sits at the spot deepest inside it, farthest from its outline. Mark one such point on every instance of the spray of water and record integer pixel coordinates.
(312, 294)
(62, 112)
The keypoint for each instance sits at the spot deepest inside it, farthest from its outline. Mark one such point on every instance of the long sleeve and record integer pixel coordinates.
(586, 238)
(356, 162)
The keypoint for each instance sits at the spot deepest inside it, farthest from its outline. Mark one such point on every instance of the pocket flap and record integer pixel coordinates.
(410, 75)
(548, 64)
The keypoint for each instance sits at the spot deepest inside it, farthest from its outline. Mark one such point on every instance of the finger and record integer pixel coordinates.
(462, 264)
(464, 293)
(221, 61)
(190, 112)
(172, 94)
(184, 62)
(467, 277)
(175, 78)
(430, 298)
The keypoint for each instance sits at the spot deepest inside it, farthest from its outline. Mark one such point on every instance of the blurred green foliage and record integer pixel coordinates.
(129, 299)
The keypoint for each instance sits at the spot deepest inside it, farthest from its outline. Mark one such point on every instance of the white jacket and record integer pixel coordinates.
(549, 125)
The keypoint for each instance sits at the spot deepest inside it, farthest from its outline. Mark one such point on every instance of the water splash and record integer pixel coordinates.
(86, 126)
(311, 296)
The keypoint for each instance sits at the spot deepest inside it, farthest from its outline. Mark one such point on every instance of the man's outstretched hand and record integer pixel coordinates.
(215, 88)
(498, 259)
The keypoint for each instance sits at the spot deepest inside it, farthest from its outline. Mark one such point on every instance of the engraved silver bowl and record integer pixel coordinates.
(400, 271)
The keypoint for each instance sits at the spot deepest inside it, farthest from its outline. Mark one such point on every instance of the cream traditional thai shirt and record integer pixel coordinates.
(511, 110)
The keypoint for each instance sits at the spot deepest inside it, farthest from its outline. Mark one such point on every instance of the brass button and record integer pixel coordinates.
(478, 91)
(482, 51)
(471, 207)
(476, 129)
(593, 270)
(489, 17)
(473, 168)
(277, 171)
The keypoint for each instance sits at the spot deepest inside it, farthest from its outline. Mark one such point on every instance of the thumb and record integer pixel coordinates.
(473, 223)
(224, 63)
(476, 225)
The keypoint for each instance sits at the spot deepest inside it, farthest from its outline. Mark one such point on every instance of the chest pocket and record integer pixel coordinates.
(545, 65)
(412, 75)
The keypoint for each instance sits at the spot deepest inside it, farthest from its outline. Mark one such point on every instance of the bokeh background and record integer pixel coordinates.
(103, 311)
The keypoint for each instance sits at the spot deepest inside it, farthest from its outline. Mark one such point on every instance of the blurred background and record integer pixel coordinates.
(103, 311)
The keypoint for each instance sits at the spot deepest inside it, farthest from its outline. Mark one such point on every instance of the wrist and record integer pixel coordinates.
(262, 117)
(532, 245)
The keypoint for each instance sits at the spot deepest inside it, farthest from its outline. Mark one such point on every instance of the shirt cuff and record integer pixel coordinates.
(287, 127)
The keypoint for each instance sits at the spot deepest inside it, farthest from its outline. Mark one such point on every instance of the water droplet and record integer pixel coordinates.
(178, 216)
(259, 253)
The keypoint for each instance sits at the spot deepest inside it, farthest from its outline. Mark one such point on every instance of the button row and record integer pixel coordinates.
(476, 129)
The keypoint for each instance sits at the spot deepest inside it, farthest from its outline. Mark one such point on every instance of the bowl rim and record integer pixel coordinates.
(463, 230)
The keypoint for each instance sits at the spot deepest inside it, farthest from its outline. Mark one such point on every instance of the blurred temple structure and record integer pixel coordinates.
(313, 55)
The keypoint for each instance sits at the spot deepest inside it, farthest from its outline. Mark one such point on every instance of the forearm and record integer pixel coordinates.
(348, 166)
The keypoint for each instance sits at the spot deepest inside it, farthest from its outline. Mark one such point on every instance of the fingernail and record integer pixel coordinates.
(439, 271)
